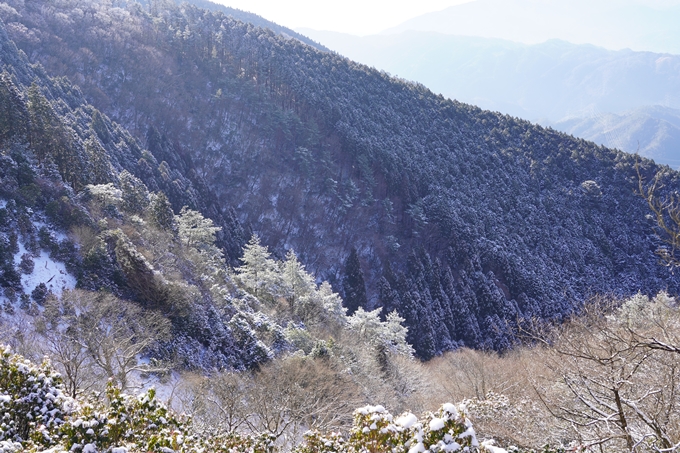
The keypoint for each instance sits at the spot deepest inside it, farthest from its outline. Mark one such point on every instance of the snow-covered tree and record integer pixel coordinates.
(195, 230)
(135, 194)
(390, 333)
(297, 282)
(259, 273)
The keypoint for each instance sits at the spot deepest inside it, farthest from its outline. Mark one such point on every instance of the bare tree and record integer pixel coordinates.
(98, 333)
(615, 389)
(220, 404)
(293, 395)
(467, 373)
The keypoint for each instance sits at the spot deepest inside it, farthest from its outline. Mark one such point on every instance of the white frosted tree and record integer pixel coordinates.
(297, 282)
(259, 273)
(195, 230)
(322, 307)
(390, 333)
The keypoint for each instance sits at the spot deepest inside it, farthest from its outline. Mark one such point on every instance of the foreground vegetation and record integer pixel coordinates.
(37, 416)
(604, 381)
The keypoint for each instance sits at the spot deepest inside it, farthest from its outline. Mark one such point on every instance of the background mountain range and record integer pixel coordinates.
(645, 25)
(619, 98)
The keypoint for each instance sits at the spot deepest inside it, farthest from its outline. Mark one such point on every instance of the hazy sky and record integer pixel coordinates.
(361, 17)
(358, 17)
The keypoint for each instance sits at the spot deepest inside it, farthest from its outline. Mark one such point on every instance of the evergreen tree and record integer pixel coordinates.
(195, 230)
(52, 140)
(13, 114)
(39, 294)
(135, 193)
(42, 123)
(99, 127)
(259, 272)
(353, 284)
(162, 214)
(298, 283)
(99, 171)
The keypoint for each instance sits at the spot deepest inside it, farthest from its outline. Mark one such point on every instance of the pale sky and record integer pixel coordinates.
(357, 17)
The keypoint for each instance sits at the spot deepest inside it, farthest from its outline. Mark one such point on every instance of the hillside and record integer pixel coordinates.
(462, 220)
(566, 86)
(72, 213)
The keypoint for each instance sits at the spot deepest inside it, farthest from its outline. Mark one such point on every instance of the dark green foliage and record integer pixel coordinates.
(26, 265)
(39, 294)
(162, 214)
(135, 193)
(13, 113)
(353, 284)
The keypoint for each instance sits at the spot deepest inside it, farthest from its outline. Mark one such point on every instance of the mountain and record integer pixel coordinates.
(250, 18)
(67, 194)
(462, 220)
(653, 131)
(613, 24)
(553, 83)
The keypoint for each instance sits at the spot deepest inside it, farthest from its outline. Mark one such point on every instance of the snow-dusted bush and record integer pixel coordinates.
(376, 431)
(32, 402)
(35, 416)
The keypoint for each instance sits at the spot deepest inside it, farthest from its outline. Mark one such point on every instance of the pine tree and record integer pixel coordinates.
(259, 272)
(162, 214)
(99, 127)
(99, 171)
(353, 284)
(135, 193)
(196, 230)
(297, 281)
(13, 113)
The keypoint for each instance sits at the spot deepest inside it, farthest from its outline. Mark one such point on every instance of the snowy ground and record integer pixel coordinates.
(46, 270)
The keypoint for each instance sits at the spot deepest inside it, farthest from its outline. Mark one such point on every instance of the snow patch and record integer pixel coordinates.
(436, 424)
(490, 445)
(407, 420)
(48, 271)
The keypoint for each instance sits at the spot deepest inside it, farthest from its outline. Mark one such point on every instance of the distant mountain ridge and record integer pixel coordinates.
(614, 24)
(653, 131)
(464, 221)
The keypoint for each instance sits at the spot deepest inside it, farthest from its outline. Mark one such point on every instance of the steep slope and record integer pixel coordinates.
(461, 219)
(566, 86)
(73, 213)
(614, 24)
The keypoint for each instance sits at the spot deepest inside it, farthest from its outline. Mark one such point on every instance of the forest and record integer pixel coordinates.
(274, 236)
(454, 213)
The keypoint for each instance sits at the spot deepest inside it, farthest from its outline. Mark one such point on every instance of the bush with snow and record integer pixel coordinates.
(376, 431)
(32, 402)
